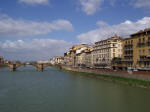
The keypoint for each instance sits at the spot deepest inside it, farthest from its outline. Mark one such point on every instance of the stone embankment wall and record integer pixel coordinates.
(2, 65)
(127, 74)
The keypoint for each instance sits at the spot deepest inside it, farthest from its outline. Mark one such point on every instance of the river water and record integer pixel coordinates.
(27, 90)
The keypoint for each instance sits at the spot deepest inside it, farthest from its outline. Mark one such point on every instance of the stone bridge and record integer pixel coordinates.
(13, 66)
(39, 66)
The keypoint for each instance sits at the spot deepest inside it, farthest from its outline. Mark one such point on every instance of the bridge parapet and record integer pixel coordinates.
(40, 66)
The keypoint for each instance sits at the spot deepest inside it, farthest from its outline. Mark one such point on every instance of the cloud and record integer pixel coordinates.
(90, 6)
(112, 2)
(33, 2)
(142, 3)
(20, 28)
(35, 49)
(102, 24)
(123, 29)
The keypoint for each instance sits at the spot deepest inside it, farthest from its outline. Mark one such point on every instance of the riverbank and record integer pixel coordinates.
(2, 66)
(122, 77)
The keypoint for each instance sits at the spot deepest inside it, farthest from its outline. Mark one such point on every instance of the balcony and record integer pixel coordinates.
(128, 54)
(127, 45)
(127, 60)
(144, 60)
(128, 49)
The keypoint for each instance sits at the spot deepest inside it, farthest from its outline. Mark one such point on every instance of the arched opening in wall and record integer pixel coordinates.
(27, 68)
(48, 68)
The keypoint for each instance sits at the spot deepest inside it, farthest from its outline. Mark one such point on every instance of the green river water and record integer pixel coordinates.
(53, 90)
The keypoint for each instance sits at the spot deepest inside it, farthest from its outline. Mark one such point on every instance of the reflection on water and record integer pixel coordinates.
(27, 90)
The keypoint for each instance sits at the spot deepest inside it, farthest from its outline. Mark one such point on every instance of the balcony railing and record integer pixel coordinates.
(128, 49)
(128, 54)
(128, 45)
(143, 60)
(127, 60)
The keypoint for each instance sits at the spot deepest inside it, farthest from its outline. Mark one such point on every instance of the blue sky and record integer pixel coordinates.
(50, 27)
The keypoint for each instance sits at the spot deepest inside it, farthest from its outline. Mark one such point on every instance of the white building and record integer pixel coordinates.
(104, 51)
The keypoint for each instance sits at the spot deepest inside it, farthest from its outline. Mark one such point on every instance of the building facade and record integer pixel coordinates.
(136, 51)
(58, 60)
(77, 55)
(70, 56)
(44, 61)
(104, 51)
(1, 60)
(88, 57)
(114, 52)
(67, 58)
(84, 56)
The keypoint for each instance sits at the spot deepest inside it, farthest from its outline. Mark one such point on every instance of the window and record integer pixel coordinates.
(148, 41)
(128, 42)
(140, 64)
(143, 51)
(113, 54)
(139, 51)
(149, 51)
(113, 50)
(145, 64)
(143, 40)
(115, 40)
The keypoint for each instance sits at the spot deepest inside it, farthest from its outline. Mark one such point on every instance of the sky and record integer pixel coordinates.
(41, 29)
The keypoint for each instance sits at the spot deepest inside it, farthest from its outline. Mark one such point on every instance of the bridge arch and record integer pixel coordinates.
(38, 66)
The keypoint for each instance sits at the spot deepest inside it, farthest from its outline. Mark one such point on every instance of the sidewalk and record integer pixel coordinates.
(127, 74)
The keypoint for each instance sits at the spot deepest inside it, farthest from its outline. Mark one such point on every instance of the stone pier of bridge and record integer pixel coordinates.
(40, 67)
(13, 67)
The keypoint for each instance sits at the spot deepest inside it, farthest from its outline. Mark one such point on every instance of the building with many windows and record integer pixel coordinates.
(105, 50)
(70, 57)
(58, 60)
(84, 56)
(114, 52)
(136, 50)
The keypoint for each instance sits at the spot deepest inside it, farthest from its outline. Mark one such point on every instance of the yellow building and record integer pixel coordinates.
(105, 50)
(136, 51)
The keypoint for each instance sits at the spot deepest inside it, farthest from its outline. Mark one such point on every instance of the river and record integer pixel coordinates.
(53, 90)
